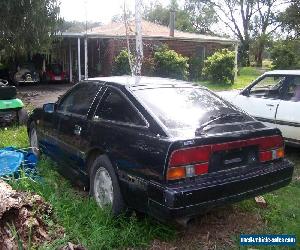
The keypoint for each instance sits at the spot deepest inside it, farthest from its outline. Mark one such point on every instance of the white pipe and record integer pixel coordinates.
(138, 37)
(85, 59)
(70, 62)
(79, 66)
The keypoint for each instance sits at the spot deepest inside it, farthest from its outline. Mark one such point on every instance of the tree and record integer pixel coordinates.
(27, 25)
(201, 16)
(194, 17)
(249, 19)
(291, 19)
(76, 26)
(158, 14)
(266, 21)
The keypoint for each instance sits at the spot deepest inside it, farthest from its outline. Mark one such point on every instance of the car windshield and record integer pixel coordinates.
(181, 107)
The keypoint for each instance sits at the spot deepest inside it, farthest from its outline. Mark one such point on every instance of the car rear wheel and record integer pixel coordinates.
(33, 138)
(104, 186)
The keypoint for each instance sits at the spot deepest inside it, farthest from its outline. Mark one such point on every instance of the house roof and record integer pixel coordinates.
(150, 30)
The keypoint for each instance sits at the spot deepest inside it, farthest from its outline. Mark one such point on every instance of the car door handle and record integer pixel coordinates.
(270, 105)
(77, 130)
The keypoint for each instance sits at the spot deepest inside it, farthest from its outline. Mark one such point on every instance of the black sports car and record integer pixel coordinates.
(159, 146)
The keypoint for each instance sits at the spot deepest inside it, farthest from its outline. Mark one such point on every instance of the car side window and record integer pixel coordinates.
(115, 107)
(79, 100)
(268, 87)
(293, 90)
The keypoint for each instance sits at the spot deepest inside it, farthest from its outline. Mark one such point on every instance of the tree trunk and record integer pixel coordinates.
(259, 53)
(21, 218)
(244, 58)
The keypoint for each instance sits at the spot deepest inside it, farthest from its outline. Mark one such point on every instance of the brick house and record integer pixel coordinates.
(92, 53)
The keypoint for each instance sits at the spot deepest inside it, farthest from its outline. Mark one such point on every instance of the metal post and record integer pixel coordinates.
(79, 66)
(44, 64)
(70, 62)
(236, 49)
(172, 22)
(85, 59)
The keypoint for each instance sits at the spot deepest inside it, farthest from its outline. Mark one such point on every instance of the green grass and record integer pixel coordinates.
(15, 136)
(84, 222)
(245, 77)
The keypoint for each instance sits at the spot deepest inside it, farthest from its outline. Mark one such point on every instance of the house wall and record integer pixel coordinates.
(186, 48)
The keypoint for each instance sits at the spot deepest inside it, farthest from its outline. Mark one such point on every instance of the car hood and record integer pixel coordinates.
(228, 95)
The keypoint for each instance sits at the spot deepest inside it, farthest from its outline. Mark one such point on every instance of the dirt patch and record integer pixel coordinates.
(39, 94)
(214, 230)
(24, 219)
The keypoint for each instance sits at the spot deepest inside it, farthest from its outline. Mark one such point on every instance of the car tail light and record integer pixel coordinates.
(176, 173)
(190, 162)
(271, 148)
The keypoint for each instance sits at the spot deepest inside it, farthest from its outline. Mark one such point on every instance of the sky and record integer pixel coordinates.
(97, 10)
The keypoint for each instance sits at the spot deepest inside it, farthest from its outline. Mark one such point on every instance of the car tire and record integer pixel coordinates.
(22, 117)
(103, 180)
(33, 139)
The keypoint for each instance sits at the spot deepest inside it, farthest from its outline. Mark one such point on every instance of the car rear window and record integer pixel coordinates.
(182, 107)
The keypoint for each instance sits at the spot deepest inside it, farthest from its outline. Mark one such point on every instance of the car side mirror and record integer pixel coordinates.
(245, 92)
(49, 107)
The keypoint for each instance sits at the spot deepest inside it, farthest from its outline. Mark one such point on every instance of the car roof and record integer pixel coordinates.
(137, 82)
(283, 72)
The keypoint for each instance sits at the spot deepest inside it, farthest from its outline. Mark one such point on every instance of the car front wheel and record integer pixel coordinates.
(33, 139)
(104, 186)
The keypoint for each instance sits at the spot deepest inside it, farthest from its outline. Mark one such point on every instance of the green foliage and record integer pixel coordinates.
(245, 76)
(220, 67)
(77, 26)
(195, 16)
(285, 55)
(148, 66)
(290, 18)
(201, 15)
(27, 25)
(121, 64)
(195, 69)
(14, 136)
(169, 63)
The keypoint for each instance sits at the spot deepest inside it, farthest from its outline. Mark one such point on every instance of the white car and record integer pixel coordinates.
(273, 98)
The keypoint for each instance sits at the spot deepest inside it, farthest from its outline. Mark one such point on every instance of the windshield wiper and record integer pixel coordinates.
(224, 116)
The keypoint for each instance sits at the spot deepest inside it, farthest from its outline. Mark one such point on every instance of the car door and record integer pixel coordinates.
(49, 133)
(73, 112)
(121, 131)
(288, 112)
(261, 100)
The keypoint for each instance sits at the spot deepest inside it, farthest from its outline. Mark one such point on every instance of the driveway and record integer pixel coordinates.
(38, 94)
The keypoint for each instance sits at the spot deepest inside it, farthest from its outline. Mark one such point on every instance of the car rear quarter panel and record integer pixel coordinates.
(137, 155)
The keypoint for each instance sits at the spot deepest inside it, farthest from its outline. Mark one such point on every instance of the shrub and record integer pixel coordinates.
(220, 67)
(169, 63)
(121, 64)
(285, 55)
(148, 66)
(195, 69)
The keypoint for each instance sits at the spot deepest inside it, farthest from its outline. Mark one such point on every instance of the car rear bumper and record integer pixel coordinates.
(187, 200)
